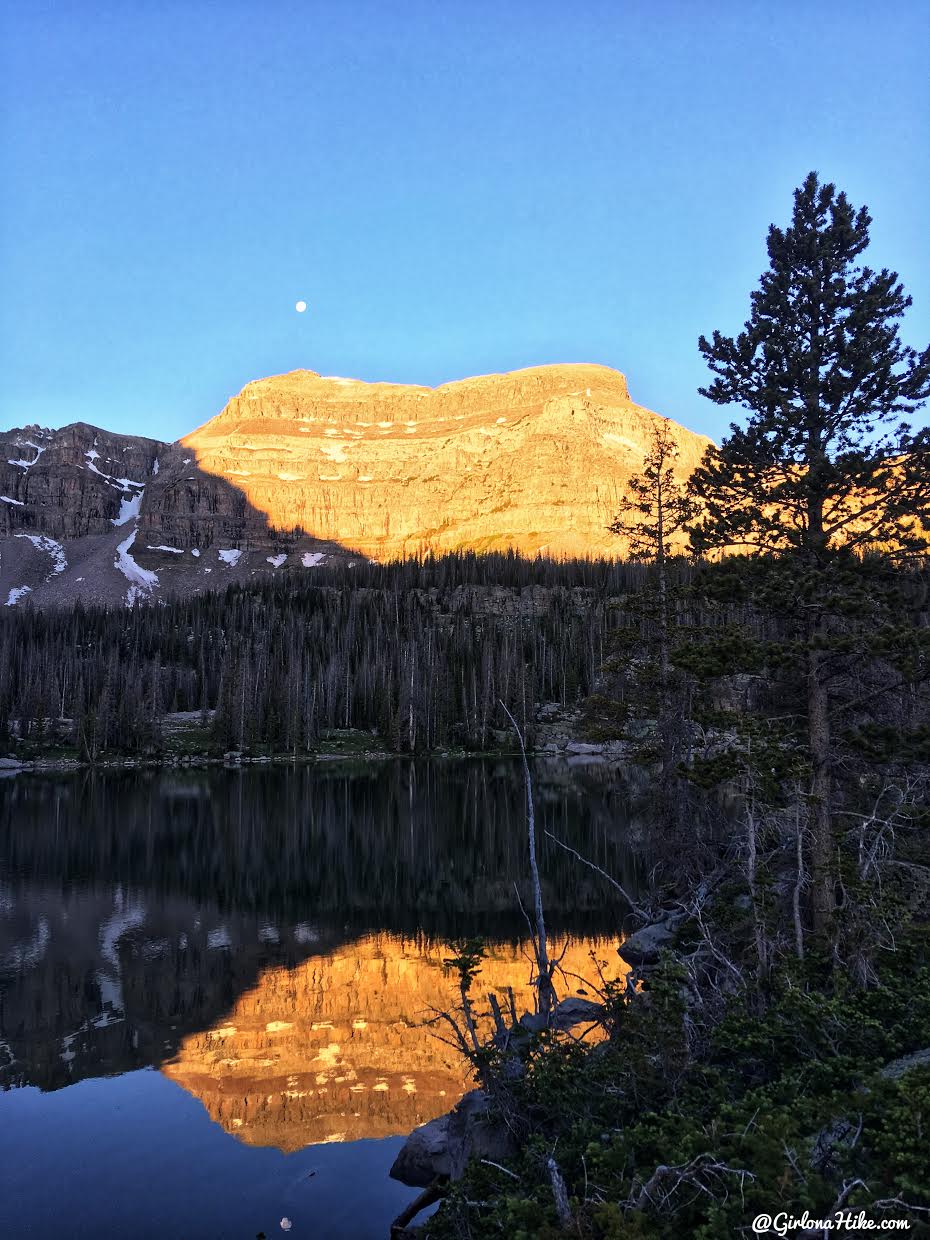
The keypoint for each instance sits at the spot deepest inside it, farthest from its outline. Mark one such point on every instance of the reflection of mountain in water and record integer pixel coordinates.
(97, 981)
(143, 914)
(337, 1048)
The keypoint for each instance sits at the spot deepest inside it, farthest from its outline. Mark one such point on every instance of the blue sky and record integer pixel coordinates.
(456, 187)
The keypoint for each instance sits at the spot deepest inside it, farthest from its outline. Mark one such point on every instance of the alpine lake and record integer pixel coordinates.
(218, 987)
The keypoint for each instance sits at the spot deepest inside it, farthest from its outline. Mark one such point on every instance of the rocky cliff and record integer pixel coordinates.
(299, 468)
(535, 459)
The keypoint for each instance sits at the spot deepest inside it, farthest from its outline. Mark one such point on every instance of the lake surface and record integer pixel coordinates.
(214, 986)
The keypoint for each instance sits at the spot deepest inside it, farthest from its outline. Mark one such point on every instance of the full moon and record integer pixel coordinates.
(300, 307)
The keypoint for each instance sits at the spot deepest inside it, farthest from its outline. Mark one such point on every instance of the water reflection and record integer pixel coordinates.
(272, 940)
(339, 1048)
(430, 847)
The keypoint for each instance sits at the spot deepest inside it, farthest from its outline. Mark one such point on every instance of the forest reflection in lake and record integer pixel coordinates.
(272, 940)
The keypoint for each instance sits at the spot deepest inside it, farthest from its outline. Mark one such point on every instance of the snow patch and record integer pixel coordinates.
(276, 560)
(230, 557)
(27, 443)
(133, 491)
(126, 916)
(124, 484)
(16, 594)
(195, 552)
(43, 543)
(612, 437)
(142, 581)
(312, 559)
(18, 502)
(155, 467)
(333, 452)
(173, 550)
(129, 508)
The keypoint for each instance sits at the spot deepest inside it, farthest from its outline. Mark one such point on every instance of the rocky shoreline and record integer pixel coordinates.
(572, 752)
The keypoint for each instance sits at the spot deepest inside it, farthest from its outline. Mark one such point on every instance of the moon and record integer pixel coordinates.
(300, 307)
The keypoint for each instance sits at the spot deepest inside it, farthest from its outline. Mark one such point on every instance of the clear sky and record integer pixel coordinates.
(454, 186)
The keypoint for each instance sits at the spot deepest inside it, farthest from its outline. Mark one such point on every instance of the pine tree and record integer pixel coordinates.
(825, 470)
(654, 511)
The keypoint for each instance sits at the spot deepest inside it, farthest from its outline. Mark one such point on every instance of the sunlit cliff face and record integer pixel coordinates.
(534, 460)
(339, 1047)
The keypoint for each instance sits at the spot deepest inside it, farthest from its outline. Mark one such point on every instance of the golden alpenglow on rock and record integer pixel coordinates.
(338, 1048)
(532, 460)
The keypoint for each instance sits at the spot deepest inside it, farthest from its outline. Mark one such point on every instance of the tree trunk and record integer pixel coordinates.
(821, 842)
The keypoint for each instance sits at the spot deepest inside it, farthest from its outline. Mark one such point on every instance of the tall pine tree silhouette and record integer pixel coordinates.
(826, 470)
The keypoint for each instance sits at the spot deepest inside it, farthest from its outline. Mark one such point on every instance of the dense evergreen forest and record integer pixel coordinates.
(420, 651)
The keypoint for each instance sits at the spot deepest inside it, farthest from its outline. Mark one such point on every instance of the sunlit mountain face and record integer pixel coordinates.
(274, 942)
(302, 470)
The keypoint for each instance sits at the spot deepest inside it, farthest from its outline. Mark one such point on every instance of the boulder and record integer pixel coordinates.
(568, 1013)
(645, 945)
(577, 1011)
(444, 1145)
(897, 1067)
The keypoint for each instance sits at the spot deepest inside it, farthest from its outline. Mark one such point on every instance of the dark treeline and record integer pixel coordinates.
(420, 652)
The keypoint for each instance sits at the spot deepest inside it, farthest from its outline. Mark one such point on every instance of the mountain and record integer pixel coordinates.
(299, 468)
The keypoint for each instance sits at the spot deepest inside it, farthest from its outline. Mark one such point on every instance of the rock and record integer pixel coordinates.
(10, 764)
(898, 1067)
(645, 945)
(532, 1022)
(444, 1145)
(586, 759)
(569, 1012)
(584, 747)
(577, 1011)
(840, 1134)
(494, 461)
(829, 1142)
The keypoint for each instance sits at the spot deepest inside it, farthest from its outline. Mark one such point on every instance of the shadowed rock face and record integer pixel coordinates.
(533, 460)
(72, 482)
(298, 469)
(119, 519)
